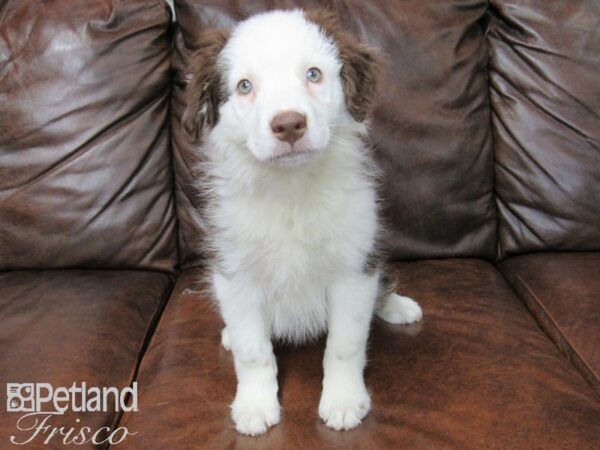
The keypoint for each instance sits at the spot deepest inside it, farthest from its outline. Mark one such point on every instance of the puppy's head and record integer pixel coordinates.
(280, 85)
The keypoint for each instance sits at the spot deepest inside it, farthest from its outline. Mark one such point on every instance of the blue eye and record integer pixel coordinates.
(313, 74)
(245, 87)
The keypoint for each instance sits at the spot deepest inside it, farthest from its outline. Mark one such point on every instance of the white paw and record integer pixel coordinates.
(225, 340)
(254, 413)
(398, 309)
(342, 408)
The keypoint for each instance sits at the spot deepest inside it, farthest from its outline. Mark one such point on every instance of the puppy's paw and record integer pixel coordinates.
(225, 340)
(344, 406)
(254, 413)
(398, 309)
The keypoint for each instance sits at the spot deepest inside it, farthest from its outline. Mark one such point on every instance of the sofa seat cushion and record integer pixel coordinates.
(73, 326)
(477, 372)
(562, 290)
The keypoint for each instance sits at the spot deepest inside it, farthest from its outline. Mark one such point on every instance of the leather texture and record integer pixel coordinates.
(85, 171)
(430, 128)
(67, 326)
(88, 93)
(476, 373)
(544, 66)
(563, 293)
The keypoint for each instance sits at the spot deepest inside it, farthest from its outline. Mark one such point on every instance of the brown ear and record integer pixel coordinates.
(360, 68)
(204, 92)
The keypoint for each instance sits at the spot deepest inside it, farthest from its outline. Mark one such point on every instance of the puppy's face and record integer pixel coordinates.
(285, 92)
(281, 84)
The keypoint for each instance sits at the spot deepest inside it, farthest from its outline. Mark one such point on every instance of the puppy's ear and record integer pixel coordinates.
(360, 67)
(204, 92)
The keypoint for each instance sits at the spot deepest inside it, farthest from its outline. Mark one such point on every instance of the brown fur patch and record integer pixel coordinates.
(360, 68)
(387, 286)
(205, 92)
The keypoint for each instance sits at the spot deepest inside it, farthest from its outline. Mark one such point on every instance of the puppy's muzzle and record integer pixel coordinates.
(289, 126)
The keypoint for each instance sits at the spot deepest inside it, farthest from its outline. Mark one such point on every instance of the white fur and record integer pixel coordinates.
(399, 309)
(291, 236)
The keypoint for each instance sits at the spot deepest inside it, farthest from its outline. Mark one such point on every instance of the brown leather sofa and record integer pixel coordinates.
(488, 128)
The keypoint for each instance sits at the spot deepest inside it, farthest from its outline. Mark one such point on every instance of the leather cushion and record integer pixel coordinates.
(85, 173)
(544, 65)
(67, 326)
(562, 290)
(430, 128)
(477, 372)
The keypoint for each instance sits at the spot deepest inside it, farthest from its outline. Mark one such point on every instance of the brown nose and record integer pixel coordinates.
(288, 126)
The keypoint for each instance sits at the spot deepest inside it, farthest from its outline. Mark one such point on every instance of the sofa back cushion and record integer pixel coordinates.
(430, 128)
(545, 94)
(85, 172)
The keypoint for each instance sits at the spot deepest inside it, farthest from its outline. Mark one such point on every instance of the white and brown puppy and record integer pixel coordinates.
(280, 103)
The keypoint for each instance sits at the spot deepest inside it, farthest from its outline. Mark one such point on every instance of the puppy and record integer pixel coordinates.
(281, 104)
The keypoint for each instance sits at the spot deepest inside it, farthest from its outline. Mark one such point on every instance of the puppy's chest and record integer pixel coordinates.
(298, 238)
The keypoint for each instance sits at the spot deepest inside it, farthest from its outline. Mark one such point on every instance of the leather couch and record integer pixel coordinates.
(488, 129)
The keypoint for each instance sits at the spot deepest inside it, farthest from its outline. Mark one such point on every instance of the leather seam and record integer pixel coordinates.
(145, 344)
(535, 298)
(498, 251)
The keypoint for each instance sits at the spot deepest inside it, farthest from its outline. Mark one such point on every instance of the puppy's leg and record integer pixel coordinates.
(345, 400)
(256, 406)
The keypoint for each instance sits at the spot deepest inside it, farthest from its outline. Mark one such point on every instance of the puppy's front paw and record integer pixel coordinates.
(343, 405)
(253, 412)
(398, 309)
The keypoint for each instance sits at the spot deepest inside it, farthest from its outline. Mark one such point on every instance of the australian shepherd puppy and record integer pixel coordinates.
(280, 104)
